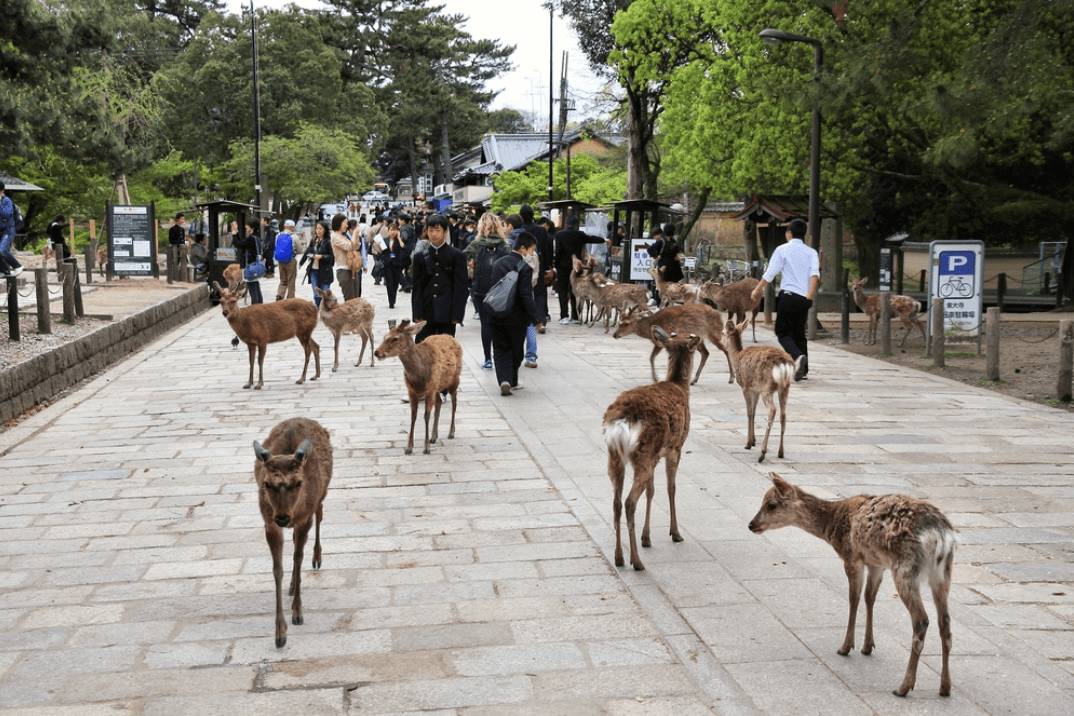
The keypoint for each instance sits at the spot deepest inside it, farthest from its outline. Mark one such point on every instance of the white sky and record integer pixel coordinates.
(523, 23)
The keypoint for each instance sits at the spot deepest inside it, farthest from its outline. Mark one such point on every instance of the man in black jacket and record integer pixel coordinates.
(546, 255)
(509, 334)
(570, 244)
(177, 241)
(440, 283)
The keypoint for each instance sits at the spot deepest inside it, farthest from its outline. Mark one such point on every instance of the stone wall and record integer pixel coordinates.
(42, 377)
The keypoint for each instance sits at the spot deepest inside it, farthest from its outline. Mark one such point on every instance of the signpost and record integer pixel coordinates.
(132, 244)
(640, 260)
(957, 277)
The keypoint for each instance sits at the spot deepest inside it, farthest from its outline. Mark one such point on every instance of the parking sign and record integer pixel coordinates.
(957, 277)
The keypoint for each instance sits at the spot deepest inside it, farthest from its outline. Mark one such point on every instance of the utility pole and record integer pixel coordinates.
(563, 109)
(257, 110)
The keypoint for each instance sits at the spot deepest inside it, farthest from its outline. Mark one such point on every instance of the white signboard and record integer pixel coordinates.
(640, 260)
(957, 276)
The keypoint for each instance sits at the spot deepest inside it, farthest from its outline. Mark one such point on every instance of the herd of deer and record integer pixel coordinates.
(909, 536)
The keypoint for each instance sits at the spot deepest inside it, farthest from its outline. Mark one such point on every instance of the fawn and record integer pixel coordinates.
(904, 307)
(736, 299)
(691, 319)
(643, 425)
(762, 372)
(911, 537)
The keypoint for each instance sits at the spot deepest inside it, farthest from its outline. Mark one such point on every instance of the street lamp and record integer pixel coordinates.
(778, 37)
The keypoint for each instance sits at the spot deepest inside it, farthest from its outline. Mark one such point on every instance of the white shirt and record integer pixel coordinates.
(797, 262)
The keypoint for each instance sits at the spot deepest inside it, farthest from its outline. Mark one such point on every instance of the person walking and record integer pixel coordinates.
(177, 242)
(248, 247)
(356, 232)
(482, 254)
(319, 254)
(799, 265)
(570, 244)
(509, 333)
(269, 231)
(341, 246)
(286, 262)
(545, 254)
(9, 265)
(439, 293)
(395, 260)
(57, 239)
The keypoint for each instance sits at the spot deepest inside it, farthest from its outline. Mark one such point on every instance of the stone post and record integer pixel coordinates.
(992, 346)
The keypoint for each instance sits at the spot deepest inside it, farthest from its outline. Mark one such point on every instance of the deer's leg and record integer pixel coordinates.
(261, 350)
(454, 405)
(316, 358)
(649, 490)
(703, 350)
(854, 573)
(652, 361)
(751, 413)
(771, 405)
(335, 364)
(643, 480)
(940, 587)
(782, 416)
(436, 418)
(671, 464)
(911, 597)
(730, 365)
(872, 586)
(317, 536)
(413, 420)
(300, 535)
(362, 354)
(306, 364)
(274, 537)
(616, 473)
(253, 356)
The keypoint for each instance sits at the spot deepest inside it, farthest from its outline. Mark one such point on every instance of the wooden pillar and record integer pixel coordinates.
(1066, 359)
(937, 332)
(44, 317)
(885, 322)
(992, 330)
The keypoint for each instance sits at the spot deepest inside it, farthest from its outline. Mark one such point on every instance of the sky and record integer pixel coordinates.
(523, 23)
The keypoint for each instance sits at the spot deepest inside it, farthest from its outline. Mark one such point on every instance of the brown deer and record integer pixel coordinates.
(734, 298)
(672, 293)
(583, 288)
(614, 297)
(265, 323)
(431, 370)
(903, 307)
(292, 470)
(233, 276)
(643, 425)
(692, 319)
(911, 537)
(763, 372)
(353, 316)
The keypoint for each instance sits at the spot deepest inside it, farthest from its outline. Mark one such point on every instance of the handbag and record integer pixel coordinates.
(500, 300)
(254, 269)
(354, 262)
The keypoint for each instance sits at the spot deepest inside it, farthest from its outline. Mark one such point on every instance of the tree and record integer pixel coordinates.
(590, 182)
(505, 121)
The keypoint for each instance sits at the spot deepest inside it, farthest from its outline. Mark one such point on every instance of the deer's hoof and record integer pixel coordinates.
(297, 619)
(426, 451)
(844, 650)
(902, 695)
(247, 386)
(281, 641)
(334, 368)
(316, 564)
(408, 451)
(676, 538)
(257, 387)
(761, 458)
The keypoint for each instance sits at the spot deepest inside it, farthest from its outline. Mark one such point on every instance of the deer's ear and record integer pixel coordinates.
(262, 454)
(784, 489)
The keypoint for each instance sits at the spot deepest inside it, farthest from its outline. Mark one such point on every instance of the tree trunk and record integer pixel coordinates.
(445, 148)
(412, 160)
(637, 145)
(699, 207)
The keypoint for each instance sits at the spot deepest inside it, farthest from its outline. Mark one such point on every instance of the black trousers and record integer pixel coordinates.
(508, 350)
(432, 328)
(791, 316)
(566, 295)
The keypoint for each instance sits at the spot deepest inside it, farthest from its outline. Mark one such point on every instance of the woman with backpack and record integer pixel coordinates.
(319, 254)
(486, 249)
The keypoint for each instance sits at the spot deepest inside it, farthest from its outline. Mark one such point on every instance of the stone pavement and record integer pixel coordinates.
(478, 580)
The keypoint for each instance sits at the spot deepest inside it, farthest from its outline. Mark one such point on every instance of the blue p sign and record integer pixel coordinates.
(957, 263)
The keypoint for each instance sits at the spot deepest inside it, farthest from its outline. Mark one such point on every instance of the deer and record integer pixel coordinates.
(643, 425)
(292, 470)
(735, 298)
(904, 307)
(610, 296)
(431, 370)
(353, 316)
(762, 372)
(672, 293)
(583, 288)
(264, 323)
(907, 535)
(698, 319)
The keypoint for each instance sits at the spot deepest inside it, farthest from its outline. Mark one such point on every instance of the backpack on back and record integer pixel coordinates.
(285, 247)
(484, 260)
(17, 217)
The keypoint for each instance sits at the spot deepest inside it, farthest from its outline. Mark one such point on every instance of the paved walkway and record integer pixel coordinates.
(478, 580)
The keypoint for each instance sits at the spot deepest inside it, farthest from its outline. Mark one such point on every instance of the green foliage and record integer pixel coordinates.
(590, 182)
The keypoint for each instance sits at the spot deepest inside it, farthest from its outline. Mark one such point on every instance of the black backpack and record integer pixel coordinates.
(484, 259)
(17, 217)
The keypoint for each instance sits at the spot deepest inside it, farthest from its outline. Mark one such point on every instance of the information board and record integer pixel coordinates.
(132, 240)
(640, 260)
(956, 275)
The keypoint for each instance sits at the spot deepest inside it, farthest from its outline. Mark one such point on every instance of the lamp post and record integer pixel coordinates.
(778, 37)
(551, 26)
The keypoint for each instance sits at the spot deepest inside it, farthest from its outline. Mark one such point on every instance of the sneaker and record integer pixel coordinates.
(477, 316)
(529, 363)
(541, 329)
(801, 368)
(279, 298)
(575, 322)
(565, 321)
(16, 271)
(487, 365)
(505, 388)
(518, 386)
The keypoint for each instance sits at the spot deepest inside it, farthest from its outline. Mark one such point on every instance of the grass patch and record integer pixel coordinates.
(960, 355)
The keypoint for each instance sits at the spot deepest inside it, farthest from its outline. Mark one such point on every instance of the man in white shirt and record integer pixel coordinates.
(800, 266)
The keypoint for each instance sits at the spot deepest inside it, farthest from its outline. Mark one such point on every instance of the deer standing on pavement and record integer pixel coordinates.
(670, 292)
(265, 323)
(911, 537)
(904, 307)
(353, 316)
(431, 370)
(292, 469)
(693, 319)
(762, 372)
(735, 298)
(643, 425)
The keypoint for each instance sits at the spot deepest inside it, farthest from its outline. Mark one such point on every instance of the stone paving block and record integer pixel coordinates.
(447, 693)
(517, 659)
(309, 702)
(629, 652)
(450, 636)
(93, 575)
(692, 584)
(411, 594)
(67, 616)
(581, 628)
(223, 681)
(185, 570)
(306, 644)
(648, 681)
(740, 633)
(795, 687)
(530, 552)
(350, 670)
(76, 661)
